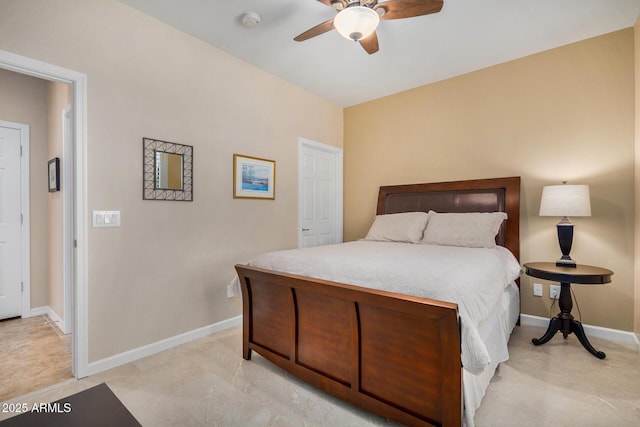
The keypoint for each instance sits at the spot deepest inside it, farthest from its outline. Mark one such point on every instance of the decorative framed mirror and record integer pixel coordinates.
(167, 171)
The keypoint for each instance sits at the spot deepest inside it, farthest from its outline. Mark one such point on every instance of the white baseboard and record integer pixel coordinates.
(592, 331)
(158, 346)
(39, 311)
(57, 320)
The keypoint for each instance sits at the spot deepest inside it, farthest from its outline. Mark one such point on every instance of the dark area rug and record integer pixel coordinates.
(95, 407)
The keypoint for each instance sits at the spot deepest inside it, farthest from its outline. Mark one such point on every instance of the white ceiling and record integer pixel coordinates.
(466, 35)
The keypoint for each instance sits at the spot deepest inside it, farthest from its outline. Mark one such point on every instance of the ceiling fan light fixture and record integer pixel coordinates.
(356, 22)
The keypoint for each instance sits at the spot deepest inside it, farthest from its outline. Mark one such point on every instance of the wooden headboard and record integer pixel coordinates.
(478, 195)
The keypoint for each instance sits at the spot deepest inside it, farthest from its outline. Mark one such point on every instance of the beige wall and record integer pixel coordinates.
(165, 270)
(637, 180)
(564, 114)
(58, 97)
(23, 99)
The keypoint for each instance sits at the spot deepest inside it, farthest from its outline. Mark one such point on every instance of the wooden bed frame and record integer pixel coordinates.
(392, 354)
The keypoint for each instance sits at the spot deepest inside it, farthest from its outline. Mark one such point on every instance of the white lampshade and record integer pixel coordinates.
(356, 22)
(565, 200)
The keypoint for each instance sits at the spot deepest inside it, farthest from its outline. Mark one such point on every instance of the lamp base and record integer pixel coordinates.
(562, 262)
(565, 240)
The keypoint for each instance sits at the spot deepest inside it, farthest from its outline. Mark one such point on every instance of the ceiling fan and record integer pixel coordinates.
(357, 20)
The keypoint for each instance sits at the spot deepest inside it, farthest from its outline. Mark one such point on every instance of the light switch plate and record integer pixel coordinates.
(106, 219)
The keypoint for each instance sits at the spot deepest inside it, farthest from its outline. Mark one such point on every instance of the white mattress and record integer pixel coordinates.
(494, 332)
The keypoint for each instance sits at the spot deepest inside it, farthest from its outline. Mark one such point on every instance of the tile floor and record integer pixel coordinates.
(33, 354)
(207, 383)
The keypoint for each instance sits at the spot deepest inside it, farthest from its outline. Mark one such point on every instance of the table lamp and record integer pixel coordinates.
(565, 201)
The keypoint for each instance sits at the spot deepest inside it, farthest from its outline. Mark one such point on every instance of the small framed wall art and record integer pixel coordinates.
(54, 174)
(253, 178)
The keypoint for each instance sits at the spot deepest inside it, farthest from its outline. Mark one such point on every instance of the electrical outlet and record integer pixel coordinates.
(537, 290)
(554, 291)
(229, 292)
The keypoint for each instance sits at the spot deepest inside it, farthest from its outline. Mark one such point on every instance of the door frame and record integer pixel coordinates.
(77, 170)
(338, 163)
(68, 220)
(25, 226)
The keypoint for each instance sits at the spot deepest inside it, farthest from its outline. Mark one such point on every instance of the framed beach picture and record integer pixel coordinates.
(253, 178)
(54, 174)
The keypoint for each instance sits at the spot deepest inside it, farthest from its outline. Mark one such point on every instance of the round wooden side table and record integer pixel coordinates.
(564, 321)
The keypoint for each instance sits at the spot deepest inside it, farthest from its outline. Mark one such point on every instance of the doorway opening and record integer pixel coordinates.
(75, 208)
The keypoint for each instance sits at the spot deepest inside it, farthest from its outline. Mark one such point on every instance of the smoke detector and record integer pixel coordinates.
(250, 20)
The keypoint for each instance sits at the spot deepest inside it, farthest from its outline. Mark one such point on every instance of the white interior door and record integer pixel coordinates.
(10, 224)
(320, 194)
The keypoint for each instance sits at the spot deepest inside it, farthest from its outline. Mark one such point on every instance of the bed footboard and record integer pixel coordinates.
(391, 354)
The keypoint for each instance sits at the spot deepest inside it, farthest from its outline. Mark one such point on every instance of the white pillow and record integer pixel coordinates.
(400, 227)
(472, 229)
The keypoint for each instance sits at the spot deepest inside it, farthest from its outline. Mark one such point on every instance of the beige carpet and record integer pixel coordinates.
(34, 354)
(207, 383)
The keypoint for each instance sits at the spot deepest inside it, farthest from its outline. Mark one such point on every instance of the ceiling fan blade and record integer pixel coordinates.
(370, 43)
(397, 9)
(315, 31)
(331, 2)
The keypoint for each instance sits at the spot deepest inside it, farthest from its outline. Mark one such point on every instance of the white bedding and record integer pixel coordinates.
(474, 278)
(495, 331)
